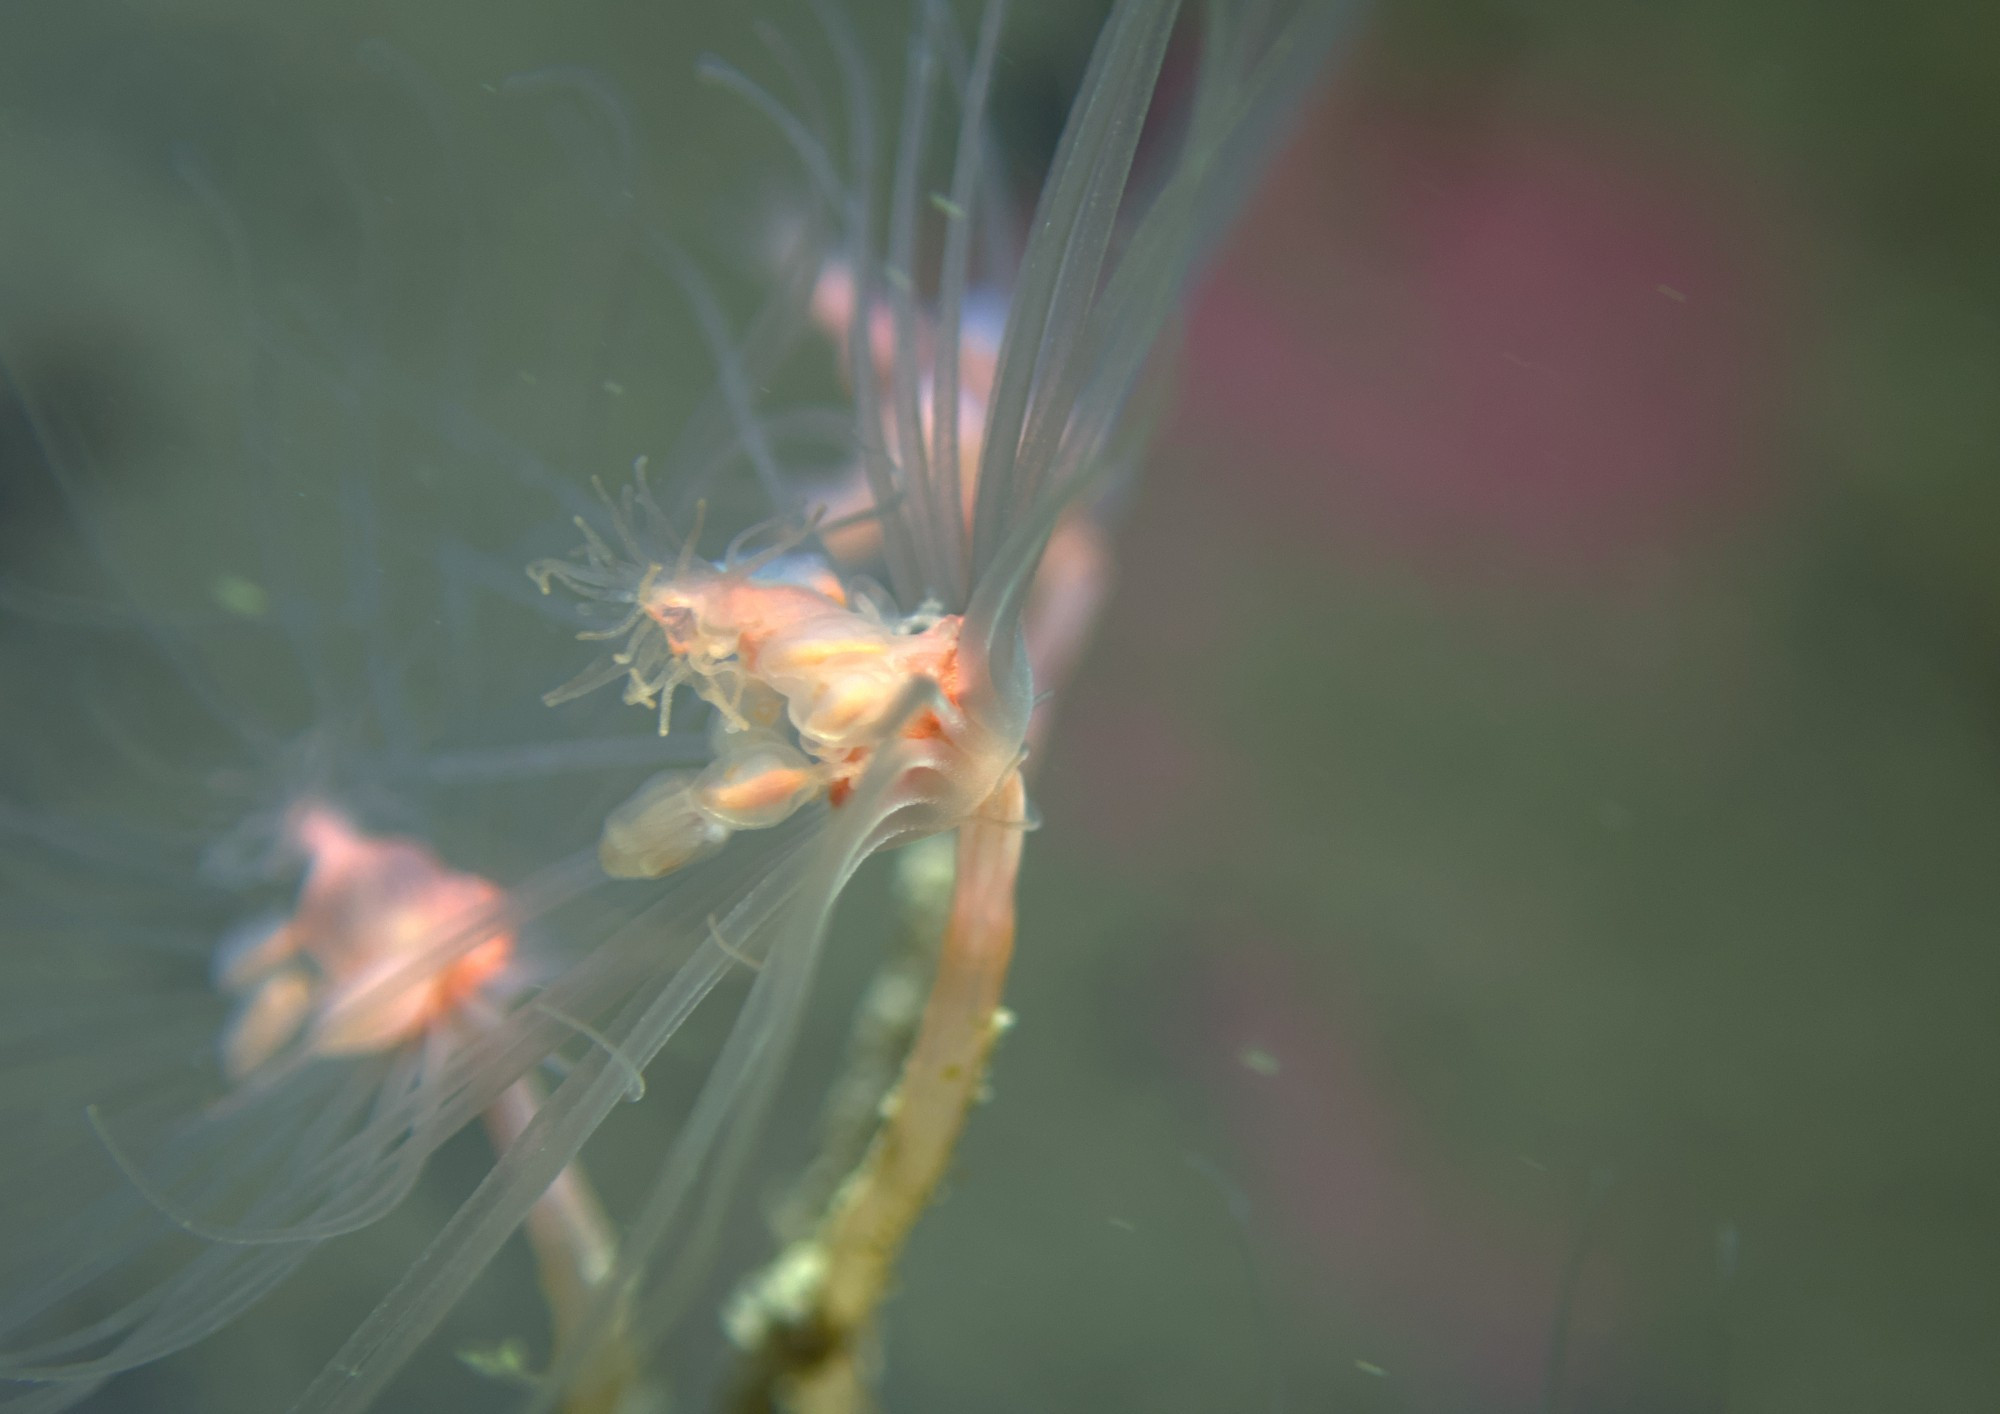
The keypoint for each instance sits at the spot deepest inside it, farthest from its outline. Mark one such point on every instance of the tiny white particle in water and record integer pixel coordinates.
(1258, 1059)
(239, 596)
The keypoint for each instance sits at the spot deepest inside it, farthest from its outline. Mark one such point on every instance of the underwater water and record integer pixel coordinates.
(1510, 921)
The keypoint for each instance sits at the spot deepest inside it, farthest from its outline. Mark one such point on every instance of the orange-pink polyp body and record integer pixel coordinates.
(386, 942)
(978, 359)
(838, 672)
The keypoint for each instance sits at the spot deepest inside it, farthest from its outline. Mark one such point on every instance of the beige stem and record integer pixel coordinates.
(879, 1205)
(574, 1252)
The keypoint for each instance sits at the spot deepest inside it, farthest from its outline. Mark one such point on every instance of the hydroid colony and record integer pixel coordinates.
(321, 974)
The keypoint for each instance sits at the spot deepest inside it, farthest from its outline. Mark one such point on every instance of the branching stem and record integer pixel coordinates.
(816, 1361)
